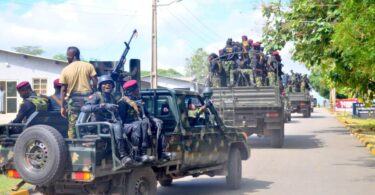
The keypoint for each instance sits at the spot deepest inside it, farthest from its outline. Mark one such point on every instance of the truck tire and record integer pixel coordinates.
(141, 181)
(305, 114)
(234, 164)
(166, 181)
(290, 117)
(277, 138)
(40, 155)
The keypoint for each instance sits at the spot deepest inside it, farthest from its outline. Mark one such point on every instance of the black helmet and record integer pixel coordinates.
(104, 78)
(207, 92)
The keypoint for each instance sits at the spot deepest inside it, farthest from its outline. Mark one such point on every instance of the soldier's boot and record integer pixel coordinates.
(124, 156)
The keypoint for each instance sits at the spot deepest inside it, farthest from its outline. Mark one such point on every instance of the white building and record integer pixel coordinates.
(38, 71)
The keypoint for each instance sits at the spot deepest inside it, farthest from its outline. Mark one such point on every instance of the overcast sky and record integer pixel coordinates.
(99, 27)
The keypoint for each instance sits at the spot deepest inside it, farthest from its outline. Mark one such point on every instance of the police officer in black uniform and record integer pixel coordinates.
(31, 102)
(139, 125)
(101, 103)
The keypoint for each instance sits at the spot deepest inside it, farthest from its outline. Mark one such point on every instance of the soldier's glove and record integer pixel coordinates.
(111, 107)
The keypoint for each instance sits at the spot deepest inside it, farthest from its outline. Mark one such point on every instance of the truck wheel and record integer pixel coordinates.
(141, 181)
(166, 182)
(234, 176)
(277, 138)
(305, 114)
(40, 155)
(289, 117)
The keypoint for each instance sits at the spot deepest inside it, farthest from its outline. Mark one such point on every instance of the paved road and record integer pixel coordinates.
(319, 157)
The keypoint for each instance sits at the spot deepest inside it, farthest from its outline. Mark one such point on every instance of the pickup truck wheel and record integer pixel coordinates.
(166, 182)
(277, 138)
(234, 176)
(141, 181)
(40, 155)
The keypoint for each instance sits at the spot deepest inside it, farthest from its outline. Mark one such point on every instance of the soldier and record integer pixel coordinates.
(293, 81)
(230, 59)
(194, 113)
(55, 99)
(100, 103)
(305, 83)
(257, 63)
(137, 123)
(75, 80)
(217, 74)
(31, 102)
(272, 68)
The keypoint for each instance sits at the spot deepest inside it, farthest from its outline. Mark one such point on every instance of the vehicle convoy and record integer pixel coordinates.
(256, 110)
(301, 103)
(40, 153)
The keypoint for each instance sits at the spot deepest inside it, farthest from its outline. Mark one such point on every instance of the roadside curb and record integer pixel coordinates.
(367, 140)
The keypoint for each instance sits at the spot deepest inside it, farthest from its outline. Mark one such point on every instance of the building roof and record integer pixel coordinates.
(34, 56)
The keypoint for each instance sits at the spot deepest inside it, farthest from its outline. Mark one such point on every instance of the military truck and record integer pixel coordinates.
(39, 153)
(255, 110)
(301, 103)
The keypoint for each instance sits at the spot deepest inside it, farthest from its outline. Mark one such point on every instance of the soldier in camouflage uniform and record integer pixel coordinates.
(217, 75)
(272, 66)
(305, 83)
(257, 64)
(100, 103)
(230, 57)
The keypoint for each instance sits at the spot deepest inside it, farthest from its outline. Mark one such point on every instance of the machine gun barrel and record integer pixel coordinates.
(116, 71)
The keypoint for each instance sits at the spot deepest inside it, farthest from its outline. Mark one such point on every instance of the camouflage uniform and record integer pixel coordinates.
(75, 102)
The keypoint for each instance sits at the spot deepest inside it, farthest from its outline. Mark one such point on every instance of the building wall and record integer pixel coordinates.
(19, 67)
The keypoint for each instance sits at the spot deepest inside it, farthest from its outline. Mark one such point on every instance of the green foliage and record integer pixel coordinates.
(28, 49)
(335, 39)
(61, 57)
(163, 72)
(197, 65)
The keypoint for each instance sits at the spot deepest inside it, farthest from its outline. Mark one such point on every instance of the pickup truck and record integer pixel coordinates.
(39, 153)
(255, 110)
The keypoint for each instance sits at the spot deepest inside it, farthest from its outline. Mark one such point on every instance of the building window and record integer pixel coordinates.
(40, 86)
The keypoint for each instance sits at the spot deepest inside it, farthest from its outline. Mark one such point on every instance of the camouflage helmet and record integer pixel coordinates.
(104, 78)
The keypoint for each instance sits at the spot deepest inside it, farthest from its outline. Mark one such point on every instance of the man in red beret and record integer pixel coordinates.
(137, 121)
(31, 102)
(55, 99)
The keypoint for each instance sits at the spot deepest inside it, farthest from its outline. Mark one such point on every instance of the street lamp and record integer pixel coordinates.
(154, 47)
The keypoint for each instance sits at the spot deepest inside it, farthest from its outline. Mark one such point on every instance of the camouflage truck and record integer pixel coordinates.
(255, 110)
(301, 103)
(39, 153)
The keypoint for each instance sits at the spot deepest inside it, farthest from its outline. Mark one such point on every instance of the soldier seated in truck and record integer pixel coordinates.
(31, 102)
(196, 115)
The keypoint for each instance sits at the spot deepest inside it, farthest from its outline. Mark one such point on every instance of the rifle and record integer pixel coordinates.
(118, 74)
(117, 70)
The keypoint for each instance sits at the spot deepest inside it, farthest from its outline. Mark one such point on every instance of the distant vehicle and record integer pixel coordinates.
(301, 103)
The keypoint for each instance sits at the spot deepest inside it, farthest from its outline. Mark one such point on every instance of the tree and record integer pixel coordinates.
(333, 38)
(197, 65)
(61, 57)
(28, 49)
(163, 72)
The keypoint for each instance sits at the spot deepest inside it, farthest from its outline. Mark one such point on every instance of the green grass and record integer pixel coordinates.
(6, 184)
(366, 126)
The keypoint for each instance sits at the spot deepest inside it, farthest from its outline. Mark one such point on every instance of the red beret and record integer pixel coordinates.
(256, 44)
(129, 84)
(250, 41)
(56, 83)
(275, 53)
(22, 85)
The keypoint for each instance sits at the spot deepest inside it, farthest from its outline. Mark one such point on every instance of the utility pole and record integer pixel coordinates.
(154, 43)
(154, 54)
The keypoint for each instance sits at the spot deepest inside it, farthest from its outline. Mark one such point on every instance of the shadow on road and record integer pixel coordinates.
(290, 142)
(212, 186)
(335, 130)
(312, 116)
(362, 162)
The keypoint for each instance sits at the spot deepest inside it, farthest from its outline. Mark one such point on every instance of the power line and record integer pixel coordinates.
(200, 22)
(187, 27)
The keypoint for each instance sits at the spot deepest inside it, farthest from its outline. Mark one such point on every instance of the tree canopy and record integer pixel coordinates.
(197, 65)
(335, 39)
(28, 49)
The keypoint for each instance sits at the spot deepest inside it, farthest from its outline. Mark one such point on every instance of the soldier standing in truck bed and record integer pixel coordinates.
(217, 74)
(75, 86)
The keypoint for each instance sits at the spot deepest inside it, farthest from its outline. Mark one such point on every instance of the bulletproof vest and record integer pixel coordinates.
(104, 114)
(41, 104)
